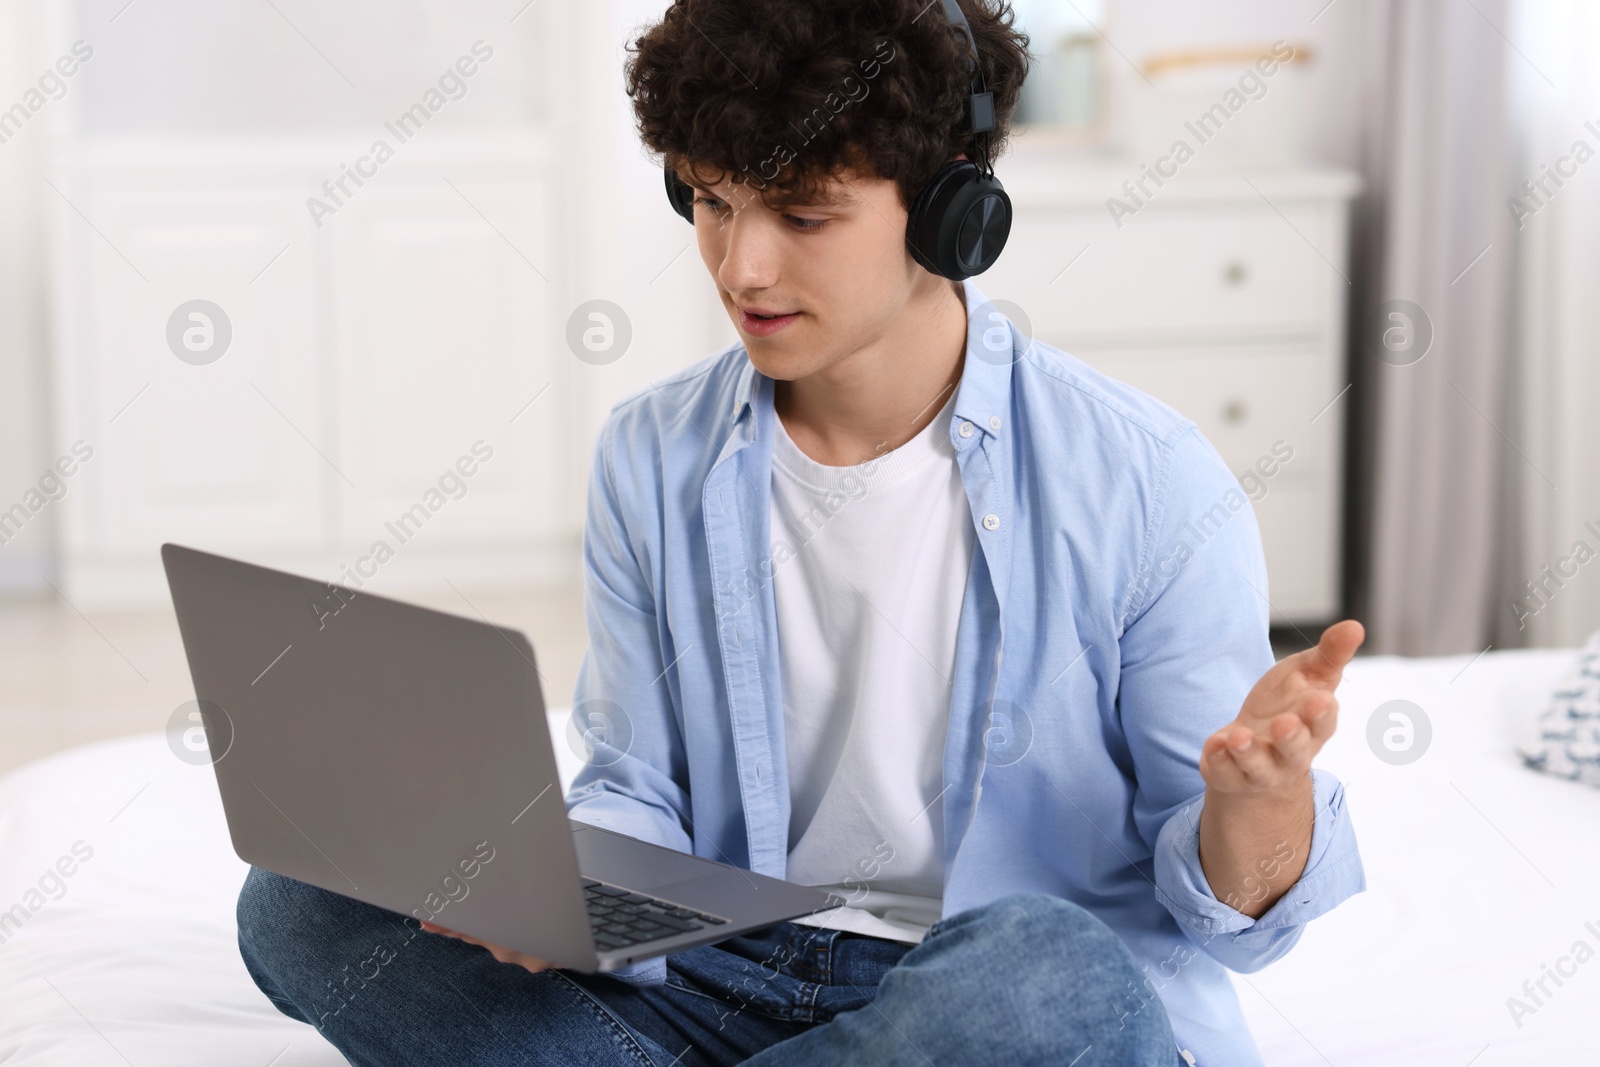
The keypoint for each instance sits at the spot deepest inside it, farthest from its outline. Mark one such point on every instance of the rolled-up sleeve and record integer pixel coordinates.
(1195, 646)
(1332, 873)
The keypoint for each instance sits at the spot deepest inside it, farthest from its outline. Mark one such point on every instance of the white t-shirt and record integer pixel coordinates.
(871, 566)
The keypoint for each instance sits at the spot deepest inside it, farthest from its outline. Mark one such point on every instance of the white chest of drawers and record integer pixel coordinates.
(1223, 294)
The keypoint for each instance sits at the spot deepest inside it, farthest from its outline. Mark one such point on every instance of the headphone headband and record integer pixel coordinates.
(980, 102)
(959, 222)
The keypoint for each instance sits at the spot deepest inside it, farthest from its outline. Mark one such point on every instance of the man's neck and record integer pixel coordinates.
(884, 394)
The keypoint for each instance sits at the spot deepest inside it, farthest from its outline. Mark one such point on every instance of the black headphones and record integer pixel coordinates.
(960, 220)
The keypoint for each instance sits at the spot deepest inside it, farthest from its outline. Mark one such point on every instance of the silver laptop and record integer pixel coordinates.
(401, 756)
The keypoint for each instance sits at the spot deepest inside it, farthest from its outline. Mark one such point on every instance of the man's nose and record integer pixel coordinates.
(749, 254)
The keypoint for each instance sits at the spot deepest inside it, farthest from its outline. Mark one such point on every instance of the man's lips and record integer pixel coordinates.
(764, 322)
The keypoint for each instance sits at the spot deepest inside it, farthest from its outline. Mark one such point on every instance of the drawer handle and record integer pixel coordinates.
(1234, 412)
(1235, 273)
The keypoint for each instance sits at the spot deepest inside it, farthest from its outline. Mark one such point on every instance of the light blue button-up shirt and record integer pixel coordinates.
(1115, 616)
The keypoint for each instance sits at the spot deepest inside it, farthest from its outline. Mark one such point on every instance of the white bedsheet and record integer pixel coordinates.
(1479, 872)
(136, 962)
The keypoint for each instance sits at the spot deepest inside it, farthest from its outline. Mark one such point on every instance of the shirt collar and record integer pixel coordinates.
(984, 395)
(985, 389)
(747, 393)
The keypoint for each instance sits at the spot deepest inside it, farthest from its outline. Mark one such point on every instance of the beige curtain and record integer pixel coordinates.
(1438, 459)
(1556, 116)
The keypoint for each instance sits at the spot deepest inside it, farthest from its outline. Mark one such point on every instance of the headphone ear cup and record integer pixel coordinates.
(680, 193)
(959, 223)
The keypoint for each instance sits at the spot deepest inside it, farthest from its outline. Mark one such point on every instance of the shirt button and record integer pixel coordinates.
(965, 429)
(991, 522)
(994, 422)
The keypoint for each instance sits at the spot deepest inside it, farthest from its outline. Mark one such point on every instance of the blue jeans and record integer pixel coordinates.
(1026, 980)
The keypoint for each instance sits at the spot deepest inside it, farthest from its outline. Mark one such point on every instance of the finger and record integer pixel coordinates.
(1292, 742)
(1237, 757)
(1253, 756)
(1230, 736)
(1321, 715)
(1214, 748)
(531, 964)
(1218, 768)
(446, 932)
(1337, 647)
(1215, 743)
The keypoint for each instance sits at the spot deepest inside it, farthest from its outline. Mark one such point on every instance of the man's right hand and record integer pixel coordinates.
(531, 964)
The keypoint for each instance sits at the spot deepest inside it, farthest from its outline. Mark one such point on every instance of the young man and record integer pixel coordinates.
(892, 608)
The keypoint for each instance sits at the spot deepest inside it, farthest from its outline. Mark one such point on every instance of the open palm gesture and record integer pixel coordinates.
(1288, 715)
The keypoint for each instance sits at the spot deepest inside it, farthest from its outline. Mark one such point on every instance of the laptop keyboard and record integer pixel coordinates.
(620, 917)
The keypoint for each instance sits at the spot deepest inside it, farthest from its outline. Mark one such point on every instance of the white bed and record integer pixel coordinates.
(136, 963)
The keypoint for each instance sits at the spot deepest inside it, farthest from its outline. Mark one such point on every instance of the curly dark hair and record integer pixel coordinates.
(783, 94)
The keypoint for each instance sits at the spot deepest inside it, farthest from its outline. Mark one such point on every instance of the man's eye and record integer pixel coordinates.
(717, 206)
(805, 224)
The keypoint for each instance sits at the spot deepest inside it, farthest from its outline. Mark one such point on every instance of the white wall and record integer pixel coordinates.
(636, 251)
(23, 423)
(324, 79)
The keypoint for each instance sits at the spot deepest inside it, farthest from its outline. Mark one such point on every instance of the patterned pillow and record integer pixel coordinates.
(1565, 740)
